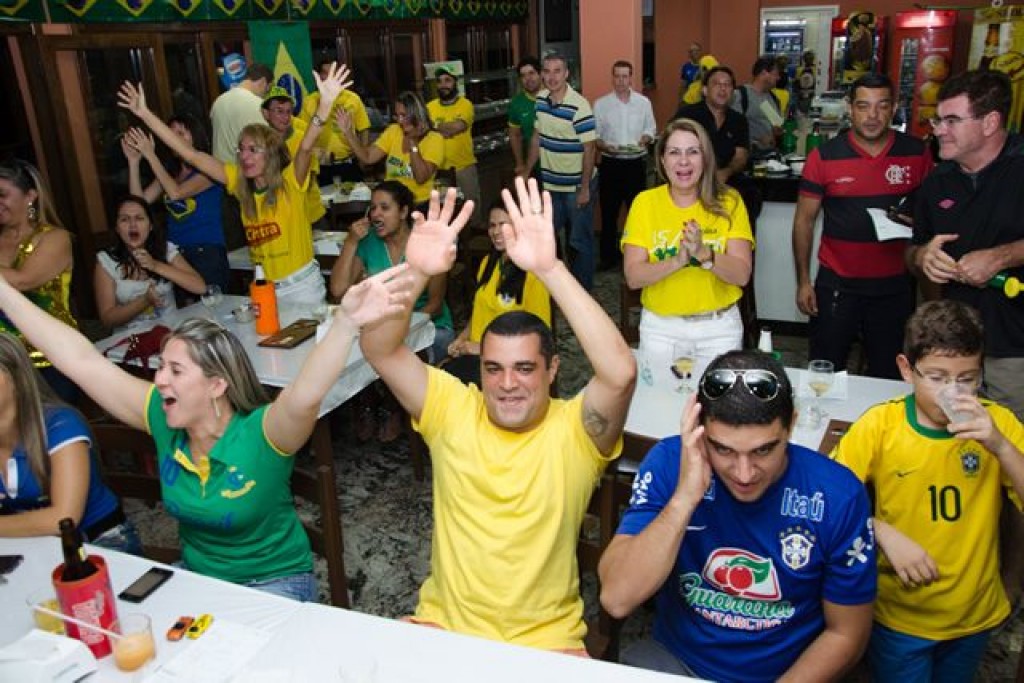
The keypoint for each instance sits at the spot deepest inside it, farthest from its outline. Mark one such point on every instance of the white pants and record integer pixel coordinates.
(304, 286)
(711, 337)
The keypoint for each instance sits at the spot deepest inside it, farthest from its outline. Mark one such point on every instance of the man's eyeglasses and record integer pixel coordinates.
(939, 380)
(762, 384)
(950, 121)
(251, 149)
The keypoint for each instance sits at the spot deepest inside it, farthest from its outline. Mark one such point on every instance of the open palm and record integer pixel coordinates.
(431, 246)
(530, 239)
(337, 80)
(383, 295)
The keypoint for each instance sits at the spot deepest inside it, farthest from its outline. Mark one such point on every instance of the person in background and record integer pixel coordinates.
(224, 452)
(513, 468)
(271, 190)
(759, 553)
(501, 286)
(412, 149)
(806, 80)
(754, 98)
(690, 70)
(727, 128)
(342, 163)
(936, 462)
(565, 145)
(783, 87)
(522, 113)
(695, 92)
(51, 470)
(192, 199)
(278, 107)
(625, 127)
(35, 253)
(862, 290)
(688, 246)
(453, 117)
(135, 278)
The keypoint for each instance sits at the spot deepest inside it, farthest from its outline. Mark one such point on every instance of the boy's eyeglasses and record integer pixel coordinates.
(938, 379)
(762, 384)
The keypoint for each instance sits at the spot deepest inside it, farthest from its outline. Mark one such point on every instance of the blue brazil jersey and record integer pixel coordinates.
(744, 598)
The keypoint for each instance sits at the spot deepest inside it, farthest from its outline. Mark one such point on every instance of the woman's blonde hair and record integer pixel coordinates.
(25, 177)
(29, 394)
(277, 158)
(710, 191)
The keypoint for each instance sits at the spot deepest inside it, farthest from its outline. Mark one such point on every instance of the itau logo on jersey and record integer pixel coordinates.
(738, 572)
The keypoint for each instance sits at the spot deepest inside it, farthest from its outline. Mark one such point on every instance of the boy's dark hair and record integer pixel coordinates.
(521, 324)
(986, 91)
(945, 328)
(738, 407)
(871, 81)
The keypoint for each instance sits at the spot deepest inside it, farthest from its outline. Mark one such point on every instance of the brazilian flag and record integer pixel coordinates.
(284, 46)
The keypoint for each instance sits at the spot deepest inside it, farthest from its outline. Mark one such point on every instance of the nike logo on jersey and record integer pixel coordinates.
(903, 473)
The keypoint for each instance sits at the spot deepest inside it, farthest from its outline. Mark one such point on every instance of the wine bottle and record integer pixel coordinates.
(264, 301)
(77, 565)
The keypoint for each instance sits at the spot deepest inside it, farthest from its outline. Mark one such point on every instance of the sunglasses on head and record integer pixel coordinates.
(762, 384)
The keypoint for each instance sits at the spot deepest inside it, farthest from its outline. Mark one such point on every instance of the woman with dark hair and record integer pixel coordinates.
(135, 278)
(35, 257)
(414, 151)
(269, 185)
(501, 286)
(50, 468)
(192, 199)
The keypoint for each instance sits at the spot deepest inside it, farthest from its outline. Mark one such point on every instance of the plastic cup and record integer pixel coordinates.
(46, 598)
(946, 398)
(136, 646)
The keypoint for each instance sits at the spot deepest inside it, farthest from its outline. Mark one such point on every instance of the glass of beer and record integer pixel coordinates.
(136, 646)
(46, 599)
(684, 357)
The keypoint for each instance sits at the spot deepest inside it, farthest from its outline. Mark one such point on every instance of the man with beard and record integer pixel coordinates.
(863, 288)
(452, 115)
(522, 112)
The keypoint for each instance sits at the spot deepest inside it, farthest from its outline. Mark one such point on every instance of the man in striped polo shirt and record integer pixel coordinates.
(565, 142)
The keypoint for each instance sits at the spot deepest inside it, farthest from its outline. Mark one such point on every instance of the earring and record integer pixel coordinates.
(216, 407)
(32, 212)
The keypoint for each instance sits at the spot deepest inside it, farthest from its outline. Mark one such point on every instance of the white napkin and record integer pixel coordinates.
(888, 229)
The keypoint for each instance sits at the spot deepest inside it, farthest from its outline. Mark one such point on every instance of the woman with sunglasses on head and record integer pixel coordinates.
(414, 151)
(269, 185)
(135, 278)
(192, 199)
(50, 468)
(35, 257)
(688, 245)
(223, 451)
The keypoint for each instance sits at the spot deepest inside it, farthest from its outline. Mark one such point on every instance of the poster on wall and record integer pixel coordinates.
(922, 61)
(997, 43)
(858, 47)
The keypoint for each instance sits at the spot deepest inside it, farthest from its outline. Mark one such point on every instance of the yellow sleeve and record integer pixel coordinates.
(232, 177)
(386, 140)
(360, 119)
(1010, 427)
(739, 225)
(536, 298)
(856, 449)
(468, 113)
(309, 106)
(432, 148)
(637, 230)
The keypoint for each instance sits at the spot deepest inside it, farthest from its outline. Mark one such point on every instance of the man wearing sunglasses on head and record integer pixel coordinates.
(760, 553)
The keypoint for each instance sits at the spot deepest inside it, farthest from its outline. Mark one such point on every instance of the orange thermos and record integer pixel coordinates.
(264, 302)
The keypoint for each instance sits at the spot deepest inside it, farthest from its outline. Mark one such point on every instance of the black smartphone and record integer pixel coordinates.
(8, 563)
(146, 584)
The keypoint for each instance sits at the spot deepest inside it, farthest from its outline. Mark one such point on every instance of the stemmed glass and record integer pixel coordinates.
(821, 374)
(211, 298)
(684, 357)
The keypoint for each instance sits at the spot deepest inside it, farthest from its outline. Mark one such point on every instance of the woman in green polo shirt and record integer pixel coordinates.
(224, 452)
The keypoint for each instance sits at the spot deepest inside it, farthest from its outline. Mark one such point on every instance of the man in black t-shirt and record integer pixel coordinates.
(726, 127)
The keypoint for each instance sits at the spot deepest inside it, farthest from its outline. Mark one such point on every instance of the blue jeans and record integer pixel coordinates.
(580, 240)
(123, 538)
(896, 657)
(300, 587)
(210, 261)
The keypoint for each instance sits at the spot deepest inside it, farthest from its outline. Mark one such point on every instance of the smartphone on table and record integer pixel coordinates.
(144, 586)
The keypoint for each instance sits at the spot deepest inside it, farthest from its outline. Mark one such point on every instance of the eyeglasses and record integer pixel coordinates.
(762, 384)
(939, 380)
(251, 149)
(950, 121)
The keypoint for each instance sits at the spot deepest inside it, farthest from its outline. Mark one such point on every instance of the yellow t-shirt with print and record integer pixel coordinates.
(314, 204)
(507, 514)
(397, 162)
(944, 493)
(331, 138)
(487, 305)
(656, 225)
(279, 236)
(458, 149)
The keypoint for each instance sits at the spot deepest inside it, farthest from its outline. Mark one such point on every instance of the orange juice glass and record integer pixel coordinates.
(136, 646)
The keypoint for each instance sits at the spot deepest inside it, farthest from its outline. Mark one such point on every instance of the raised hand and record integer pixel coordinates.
(385, 294)
(336, 81)
(530, 238)
(359, 229)
(132, 98)
(431, 246)
(141, 141)
(131, 152)
(694, 467)
(344, 121)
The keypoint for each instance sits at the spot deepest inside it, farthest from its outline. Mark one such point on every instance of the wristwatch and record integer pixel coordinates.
(710, 263)
(414, 148)
(317, 121)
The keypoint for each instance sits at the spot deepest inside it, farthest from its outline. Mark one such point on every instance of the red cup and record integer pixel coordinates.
(90, 600)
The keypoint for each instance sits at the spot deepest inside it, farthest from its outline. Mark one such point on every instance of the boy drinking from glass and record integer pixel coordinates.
(936, 460)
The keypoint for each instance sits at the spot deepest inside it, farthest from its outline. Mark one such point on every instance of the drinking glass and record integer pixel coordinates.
(947, 396)
(821, 374)
(136, 646)
(47, 599)
(684, 357)
(212, 297)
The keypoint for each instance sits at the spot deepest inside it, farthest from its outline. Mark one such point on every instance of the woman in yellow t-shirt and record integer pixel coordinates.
(688, 245)
(269, 185)
(413, 150)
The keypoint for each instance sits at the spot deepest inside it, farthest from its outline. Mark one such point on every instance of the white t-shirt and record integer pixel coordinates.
(126, 290)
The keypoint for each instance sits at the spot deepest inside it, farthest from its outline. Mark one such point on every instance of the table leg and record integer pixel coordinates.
(330, 513)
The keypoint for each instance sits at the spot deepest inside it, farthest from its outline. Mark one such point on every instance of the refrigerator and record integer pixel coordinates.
(922, 61)
(997, 43)
(858, 47)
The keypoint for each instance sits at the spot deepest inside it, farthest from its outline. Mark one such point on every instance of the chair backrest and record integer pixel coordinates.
(317, 487)
(629, 313)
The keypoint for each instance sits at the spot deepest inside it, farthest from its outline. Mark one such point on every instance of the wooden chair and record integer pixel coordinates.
(629, 313)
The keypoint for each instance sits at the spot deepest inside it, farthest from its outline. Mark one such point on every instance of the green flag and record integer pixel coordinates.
(284, 46)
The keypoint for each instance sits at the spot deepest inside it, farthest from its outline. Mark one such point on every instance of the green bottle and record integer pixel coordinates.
(1006, 282)
(788, 143)
(813, 140)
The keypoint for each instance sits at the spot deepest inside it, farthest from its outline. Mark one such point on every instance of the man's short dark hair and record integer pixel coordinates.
(720, 69)
(622, 64)
(258, 72)
(324, 61)
(521, 324)
(871, 81)
(987, 91)
(529, 61)
(556, 57)
(738, 407)
(943, 328)
(763, 63)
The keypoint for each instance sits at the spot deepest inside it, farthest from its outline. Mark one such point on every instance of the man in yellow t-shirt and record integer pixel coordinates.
(344, 164)
(278, 106)
(937, 461)
(513, 468)
(453, 115)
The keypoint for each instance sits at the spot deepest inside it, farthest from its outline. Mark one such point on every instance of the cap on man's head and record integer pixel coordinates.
(445, 71)
(277, 93)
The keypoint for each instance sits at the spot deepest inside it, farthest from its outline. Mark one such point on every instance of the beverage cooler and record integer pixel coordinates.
(997, 43)
(858, 47)
(922, 61)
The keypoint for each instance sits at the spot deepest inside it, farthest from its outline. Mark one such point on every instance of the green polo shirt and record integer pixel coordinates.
(522, 112)
(241, 525)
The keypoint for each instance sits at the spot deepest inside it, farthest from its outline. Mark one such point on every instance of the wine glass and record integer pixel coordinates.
(684, 357)
(212, 297)
(821, 374)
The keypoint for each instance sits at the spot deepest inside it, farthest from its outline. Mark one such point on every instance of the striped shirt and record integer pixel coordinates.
(563, 129)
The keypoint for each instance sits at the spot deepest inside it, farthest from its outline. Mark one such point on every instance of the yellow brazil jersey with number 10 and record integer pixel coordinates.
(944, 493)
